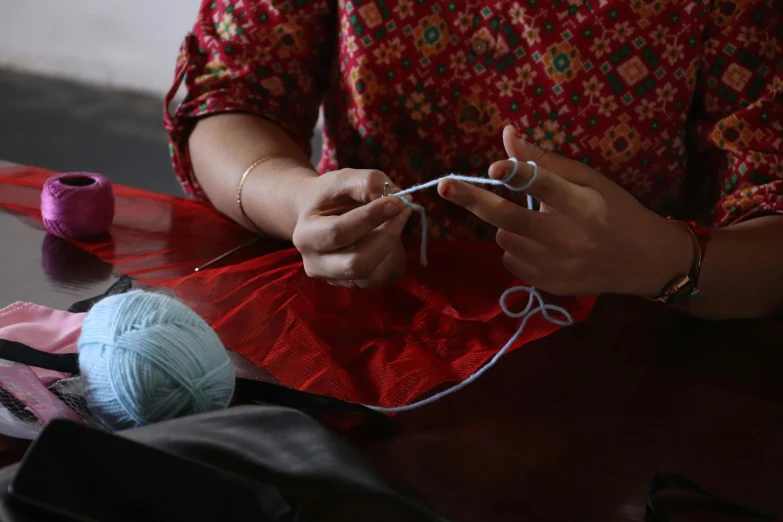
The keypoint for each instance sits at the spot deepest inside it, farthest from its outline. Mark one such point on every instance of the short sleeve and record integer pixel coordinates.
(261, 57)
(739, 103)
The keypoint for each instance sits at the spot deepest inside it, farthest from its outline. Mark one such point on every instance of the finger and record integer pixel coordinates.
(497, 211)
(388, 271)
(360, 262)
(330, 233)
(521, 247)
(522, 270)
(518, 147)
(394, 227)
(546, 186)
(363, 185)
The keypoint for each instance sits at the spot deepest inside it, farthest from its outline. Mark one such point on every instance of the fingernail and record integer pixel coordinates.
(392, 208)
(447, 190)
(517, 133)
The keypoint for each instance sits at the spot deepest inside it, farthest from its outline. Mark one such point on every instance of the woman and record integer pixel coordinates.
(633, 112)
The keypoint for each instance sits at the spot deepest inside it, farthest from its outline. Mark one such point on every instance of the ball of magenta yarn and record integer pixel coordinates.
(77, 205)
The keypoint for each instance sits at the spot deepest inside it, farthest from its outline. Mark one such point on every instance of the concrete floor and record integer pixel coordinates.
(67, 126)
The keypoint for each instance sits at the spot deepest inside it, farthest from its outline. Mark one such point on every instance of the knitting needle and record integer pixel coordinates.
(385, 188)
(223, 256)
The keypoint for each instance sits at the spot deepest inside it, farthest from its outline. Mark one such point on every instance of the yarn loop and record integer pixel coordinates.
(534, 298)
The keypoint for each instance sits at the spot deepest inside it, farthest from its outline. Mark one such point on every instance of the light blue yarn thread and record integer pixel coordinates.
(534, 296)
(469, 179)
(146, 358)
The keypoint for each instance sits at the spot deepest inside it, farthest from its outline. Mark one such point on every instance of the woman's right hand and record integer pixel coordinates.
(347, 233)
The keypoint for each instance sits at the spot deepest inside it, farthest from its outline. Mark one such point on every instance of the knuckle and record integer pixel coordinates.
(357, 268)
(376, 176)
(310, 269)
(503, 239)
(296, 239)
(575, 242)
(585, 244)
(299, 239)
(591, 207)
(373, 180)
(334, 235)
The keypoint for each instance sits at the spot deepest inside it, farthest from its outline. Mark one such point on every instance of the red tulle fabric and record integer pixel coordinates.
(386, 347)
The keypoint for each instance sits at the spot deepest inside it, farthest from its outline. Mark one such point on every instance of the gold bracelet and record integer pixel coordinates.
(686, 284)
(242, 184)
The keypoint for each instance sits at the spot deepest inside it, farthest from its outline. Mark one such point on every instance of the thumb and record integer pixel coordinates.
(361, 185)
(521, 149)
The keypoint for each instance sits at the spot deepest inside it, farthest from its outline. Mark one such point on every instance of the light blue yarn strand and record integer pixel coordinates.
(480, 181)
(469, 179)
(534, 296)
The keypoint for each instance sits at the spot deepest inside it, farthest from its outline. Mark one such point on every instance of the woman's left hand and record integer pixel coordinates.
(590, 237)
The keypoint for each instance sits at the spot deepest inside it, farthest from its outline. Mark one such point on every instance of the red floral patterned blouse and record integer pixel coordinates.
(670, 98)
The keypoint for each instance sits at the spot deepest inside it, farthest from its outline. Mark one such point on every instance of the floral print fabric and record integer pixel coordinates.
(669, 98)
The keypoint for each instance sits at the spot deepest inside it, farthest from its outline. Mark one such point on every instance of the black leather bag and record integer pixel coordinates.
(314, 475)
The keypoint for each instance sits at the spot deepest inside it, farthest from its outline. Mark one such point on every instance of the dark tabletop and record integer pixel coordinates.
(568, 428)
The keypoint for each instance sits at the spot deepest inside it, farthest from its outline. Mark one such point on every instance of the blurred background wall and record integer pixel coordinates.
(127, 44)
(82, 84)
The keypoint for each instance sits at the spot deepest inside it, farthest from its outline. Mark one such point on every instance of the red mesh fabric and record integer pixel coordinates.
(388, 347)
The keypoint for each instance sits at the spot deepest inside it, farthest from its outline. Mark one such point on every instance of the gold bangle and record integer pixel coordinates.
(242, 184)
(686, 284)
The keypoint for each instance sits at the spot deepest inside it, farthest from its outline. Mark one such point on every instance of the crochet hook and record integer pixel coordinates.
(230, 252)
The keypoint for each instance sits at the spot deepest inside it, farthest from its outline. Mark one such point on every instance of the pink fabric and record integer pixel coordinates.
(42, 328)
(22, 383)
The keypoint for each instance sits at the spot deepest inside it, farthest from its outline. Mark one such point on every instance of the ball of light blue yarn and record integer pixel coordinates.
(146, 357)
